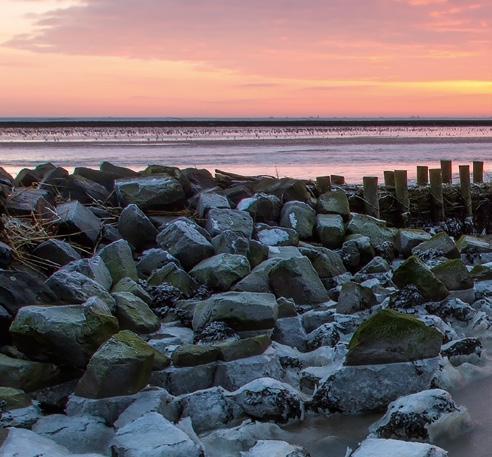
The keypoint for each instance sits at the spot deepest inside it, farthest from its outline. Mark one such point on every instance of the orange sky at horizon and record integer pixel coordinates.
(233, 58)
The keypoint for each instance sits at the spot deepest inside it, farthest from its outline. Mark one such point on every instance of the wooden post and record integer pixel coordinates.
(337, 180)
(465, 189)
(389, 179)
(323, 183)
(447, 171)
(422, 175)
(478, 171)
(435, 177)
(401, 190)
(371, 198)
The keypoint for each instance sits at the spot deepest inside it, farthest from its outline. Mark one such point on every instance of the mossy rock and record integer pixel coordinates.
(454, 275)
(11, 398)
(334, 202)
(240, 349)
(374, 229)
(134, 314)
(414, 271)
(482, 272)
(441, 243)
(392, 337)
(468, 244)
(191, 355)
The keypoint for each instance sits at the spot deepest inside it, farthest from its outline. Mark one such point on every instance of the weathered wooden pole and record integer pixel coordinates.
(371, 197)
(465, 189)
(478, 171)
(447, 171)
(337, 180)
(323, 183)
(435, 177)
(389, 179)
(401, 190)
(422, 175)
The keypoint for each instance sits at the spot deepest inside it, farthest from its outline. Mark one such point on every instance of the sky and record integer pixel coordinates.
(220, 58)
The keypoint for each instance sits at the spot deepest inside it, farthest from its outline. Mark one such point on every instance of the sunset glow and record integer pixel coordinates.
(246, 58)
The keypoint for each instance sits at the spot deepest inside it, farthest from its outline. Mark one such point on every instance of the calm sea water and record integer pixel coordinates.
(302, 152)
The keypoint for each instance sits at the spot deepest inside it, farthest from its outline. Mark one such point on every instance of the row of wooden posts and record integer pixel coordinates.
(397, 180)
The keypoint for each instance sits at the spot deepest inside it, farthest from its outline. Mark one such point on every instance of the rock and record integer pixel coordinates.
(286, 307)
(268, 399)
(325, 335)
(153, 436)
(119, 260)
(220, 220)
(199, 178)
(424, 416)
(6, 255)
(240, 310)
(372, 447)
(19, 442)
(78, 222)
(150, 192)
(262, 207)
(24, 202)
(94, 268)
(184, 380)
(136, 228)
(297, 279)
(410, 238)
(115, 171)
(357, 251)
(452, 309)
(176, 277)
(210, 200)
(414, 271)
(72, 287)
(326, 262)
(20, 417)
(55, 253)
(194, 354)
(210, 409)
(277, 236)
(20, 288)
(334, 202)
(482, 272)
(374, 229)
(330, 230)
(221, 271)
(286, 189)
(468, 244)
(407, 297)
(314, 318)
(258, 280)
(370, 388)
(230, 242)
(235, 374)
(134, 314)
(121, 366)
(152, 260)
(246, 347)
(11, 398)
(300, 217)
(375, 266)
(186, 243)
(132, 287)
(79, 434)
(453, 274)
(25, 374)
(67, 334)
(289, 331)
(215, 332)
(465, 350)
(54, 397)
(390, 337)
(84, 190)
(354, 298)
(274, 448)
(439, 245)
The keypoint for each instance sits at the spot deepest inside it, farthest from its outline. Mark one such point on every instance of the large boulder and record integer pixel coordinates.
(220, 220)
(150, 192)
(354, 298)
(94, 268)
(374, 229)
(370, 388)
(286, 189)
(209, 200)
(25, 374)
(423, 416)
(152, 435)
(221, 271)
(297, 279)
(134, 314)
(389, 337)
(119, 260)
(190, 355)
(439, 245)
(453, 274)
(121, 366)
(277, 236)
(262, 207)
(410, 238)
(330, 229)
(230, 242)
(136, 228)
(176, 277)
(373, 447)
(77, 221)
(300, 217)
(240, 310)
(468, 244)
(68, 335)
(334, 202)
(55, 253)
(185, 242)
(326, 262)
(270, 400)
(414, 271)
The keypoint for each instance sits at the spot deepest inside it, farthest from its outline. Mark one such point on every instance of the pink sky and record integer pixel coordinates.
(246, 58)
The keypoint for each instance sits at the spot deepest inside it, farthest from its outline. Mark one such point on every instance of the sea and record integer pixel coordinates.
(295, 148)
